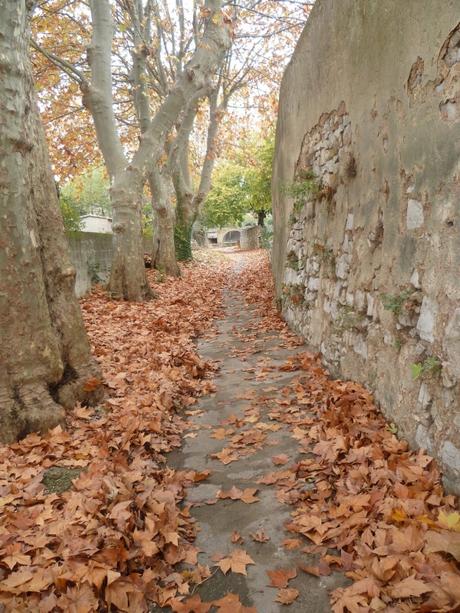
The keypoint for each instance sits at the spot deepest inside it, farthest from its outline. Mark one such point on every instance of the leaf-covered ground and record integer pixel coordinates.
(377, 511)
(92, 518)
(114, 538)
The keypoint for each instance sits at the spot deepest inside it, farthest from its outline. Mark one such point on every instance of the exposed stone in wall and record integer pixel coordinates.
(448, 85)
(367, 265)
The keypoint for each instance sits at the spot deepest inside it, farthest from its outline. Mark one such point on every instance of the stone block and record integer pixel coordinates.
(451, 343)
(415, 280)
(342, 267)
(427, 320)
(424, 397)
(450, 455)
(423, 439)
(414, 216)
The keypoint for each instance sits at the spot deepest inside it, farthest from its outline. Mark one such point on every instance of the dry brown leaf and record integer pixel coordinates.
(234, 493)
(449, 542)
(408, 588)
(281, 576)
(236, 562)
(231, 604)
(191, 605)
(280, 459)
(201, 476)
(287, 596)
(290, 544)
(236, 537)
(219, 434)
(260, 537)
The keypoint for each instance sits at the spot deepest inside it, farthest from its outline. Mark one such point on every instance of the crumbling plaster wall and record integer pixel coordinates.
(367, 262)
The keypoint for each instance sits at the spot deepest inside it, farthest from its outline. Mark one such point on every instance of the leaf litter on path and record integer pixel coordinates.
(366, 503)
(115, 533)
(361, 500)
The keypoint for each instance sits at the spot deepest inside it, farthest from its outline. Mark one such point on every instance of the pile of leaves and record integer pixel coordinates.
(112, 541)
(366, 504)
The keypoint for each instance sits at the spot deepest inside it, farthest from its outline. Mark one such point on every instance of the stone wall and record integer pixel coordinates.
(366, 199)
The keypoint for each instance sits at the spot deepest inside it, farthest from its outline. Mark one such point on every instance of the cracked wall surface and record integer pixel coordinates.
(366, 198)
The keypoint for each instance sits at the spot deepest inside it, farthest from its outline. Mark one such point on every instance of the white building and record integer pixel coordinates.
(96, 223)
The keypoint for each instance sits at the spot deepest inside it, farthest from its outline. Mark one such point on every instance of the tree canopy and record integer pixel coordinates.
(241, 184)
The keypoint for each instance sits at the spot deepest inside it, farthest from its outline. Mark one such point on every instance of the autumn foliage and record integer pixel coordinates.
(361, 501)
(377, 510)
(115, 536)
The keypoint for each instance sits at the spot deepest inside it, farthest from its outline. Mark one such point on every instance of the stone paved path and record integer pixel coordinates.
(235, 383)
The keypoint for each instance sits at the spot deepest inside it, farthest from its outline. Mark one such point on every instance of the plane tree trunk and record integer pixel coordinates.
(163, 254)
(128, 278)
(188, 202)
(191, 83)
(45, 360)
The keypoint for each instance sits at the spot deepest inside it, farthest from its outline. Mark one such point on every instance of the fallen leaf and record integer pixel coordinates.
(219, 434)
(281, 576)
(231, 604)
(443, 541)
(291, 544)
(201, 476)
(247, 495)
(408, 588)
(191, 605)
(451, 521)
(236, 562)
(236, 537)
(260, 537)
(17, 558)
(287, 595)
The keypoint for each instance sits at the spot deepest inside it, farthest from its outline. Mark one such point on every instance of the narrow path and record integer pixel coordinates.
(236, 419)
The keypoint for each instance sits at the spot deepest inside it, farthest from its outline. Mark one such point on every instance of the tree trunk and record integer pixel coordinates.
(163, 255)
(189, 203)
(128, 279)
(261, 215)
(45, 359)
(189, 86)
(180, 173)
(185, 217)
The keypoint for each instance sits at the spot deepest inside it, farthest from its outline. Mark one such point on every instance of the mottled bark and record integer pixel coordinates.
(163, 254)
(183, 235)
(188, 203)
(128, 278)
(193, 82)
(45, 359)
